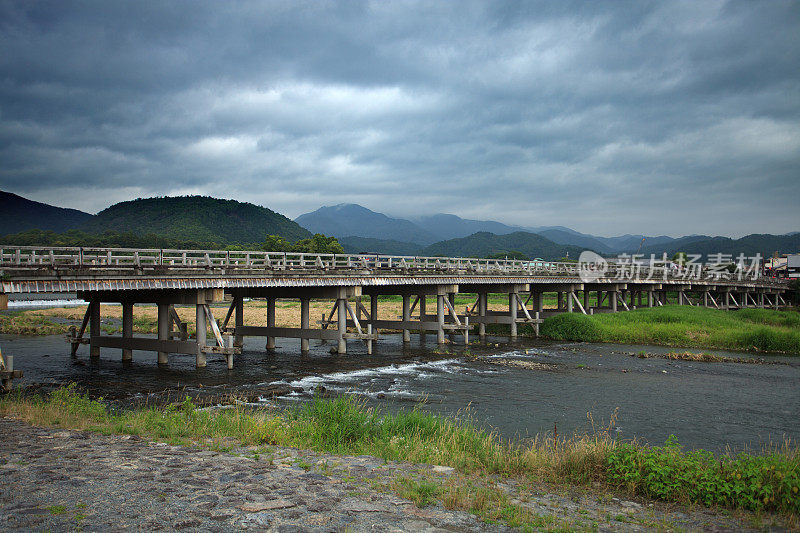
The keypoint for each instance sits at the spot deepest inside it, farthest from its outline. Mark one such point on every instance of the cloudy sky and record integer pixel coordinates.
(608, 117)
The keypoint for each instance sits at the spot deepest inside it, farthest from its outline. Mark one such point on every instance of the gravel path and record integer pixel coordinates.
(59, 480)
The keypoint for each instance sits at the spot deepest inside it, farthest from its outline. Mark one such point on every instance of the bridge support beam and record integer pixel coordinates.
(305, 310)
(201, 327)
(94, 328)
(163, 329)
(440, 318)
(406, 316)
(482, 305)
(238, 302)
(512, 312)
(270, 322)
(341, 315)
(127, 329)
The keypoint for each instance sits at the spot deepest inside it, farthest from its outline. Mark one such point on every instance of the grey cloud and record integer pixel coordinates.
(592, 115)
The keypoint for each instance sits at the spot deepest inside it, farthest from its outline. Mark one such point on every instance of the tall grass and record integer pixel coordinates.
(759, 330)
(344, 425)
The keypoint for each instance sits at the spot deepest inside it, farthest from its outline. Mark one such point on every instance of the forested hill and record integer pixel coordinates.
(196, 218)
(764, 244)
(485, 244)
(20, 214)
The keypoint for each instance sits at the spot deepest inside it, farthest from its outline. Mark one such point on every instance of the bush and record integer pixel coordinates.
(759, 483)
(571, 327)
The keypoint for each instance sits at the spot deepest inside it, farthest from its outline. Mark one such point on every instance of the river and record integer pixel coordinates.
(516, 389)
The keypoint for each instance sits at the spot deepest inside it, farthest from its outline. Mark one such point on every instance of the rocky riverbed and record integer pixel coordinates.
(58, 480)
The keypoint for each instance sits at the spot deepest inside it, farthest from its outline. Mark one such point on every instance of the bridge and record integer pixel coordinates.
(201, 278)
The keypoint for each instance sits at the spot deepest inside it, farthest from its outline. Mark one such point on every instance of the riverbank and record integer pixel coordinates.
(496, 480)
(751, 330)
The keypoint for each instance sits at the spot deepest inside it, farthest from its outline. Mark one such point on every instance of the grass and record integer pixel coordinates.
(759, 330)
(768, 482)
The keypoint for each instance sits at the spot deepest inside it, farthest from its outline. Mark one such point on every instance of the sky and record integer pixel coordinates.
(607, 117)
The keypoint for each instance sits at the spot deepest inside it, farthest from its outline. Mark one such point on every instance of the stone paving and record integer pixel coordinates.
(55, 480)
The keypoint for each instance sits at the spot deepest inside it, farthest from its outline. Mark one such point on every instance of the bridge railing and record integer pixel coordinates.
(36, 257)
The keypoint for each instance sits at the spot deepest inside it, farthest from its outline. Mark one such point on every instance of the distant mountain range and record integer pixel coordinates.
(364, 231)
(20, 214)
(202, 219)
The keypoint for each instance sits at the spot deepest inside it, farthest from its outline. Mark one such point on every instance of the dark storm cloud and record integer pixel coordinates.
(662, 117)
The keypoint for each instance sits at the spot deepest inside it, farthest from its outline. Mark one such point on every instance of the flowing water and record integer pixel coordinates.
(517, 389)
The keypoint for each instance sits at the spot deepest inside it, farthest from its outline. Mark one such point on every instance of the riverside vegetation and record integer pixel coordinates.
(760, 330)
(768, 482)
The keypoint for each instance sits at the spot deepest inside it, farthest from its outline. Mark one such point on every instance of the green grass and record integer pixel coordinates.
(760, 330)
(766, 482)
(27, 323)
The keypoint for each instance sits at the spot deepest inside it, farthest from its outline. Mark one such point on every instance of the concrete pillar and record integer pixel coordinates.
(599, 298)
(586, 300)
(406, 317)
(127, 329)
(538, 300)
(373, 309)
(705, 298)
(440, 318)
(270, 322)
(200, 324)
(761, 300)
(776, 300)
(422, 310)
(680, 296)
(341, 314)
(482, 299)
(570, 298)
(559, 301)
(650, 298)
(238, 340)
(727, 300)
(94, 327)
(512, 312)
(163, 330)
(305, 308)
(612, 299)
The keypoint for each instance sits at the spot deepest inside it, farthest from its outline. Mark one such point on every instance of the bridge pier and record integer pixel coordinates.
(406, 317)
(341, 315)
(305, 323)
(483, 299)
(201, 330)
(270, 322)
(94, 328)
(127, 329)
(163, 330)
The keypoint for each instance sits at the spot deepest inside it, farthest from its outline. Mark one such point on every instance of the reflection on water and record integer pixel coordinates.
(708, 405)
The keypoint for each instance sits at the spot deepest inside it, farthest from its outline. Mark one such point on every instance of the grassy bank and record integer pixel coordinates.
(760, 330)
(768, 482)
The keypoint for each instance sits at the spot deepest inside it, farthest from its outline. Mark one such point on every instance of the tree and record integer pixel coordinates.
(679, 258)
(276, 243)
(318, 244)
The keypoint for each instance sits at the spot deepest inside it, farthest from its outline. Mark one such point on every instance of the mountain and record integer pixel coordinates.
(483, 244)
(20, 214)
(576, 239)
(347, 220)
(196, 218)
(764, 244)
(356, 245)
(451, 226)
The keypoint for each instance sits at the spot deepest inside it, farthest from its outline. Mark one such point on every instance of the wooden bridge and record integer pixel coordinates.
(202, 277)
